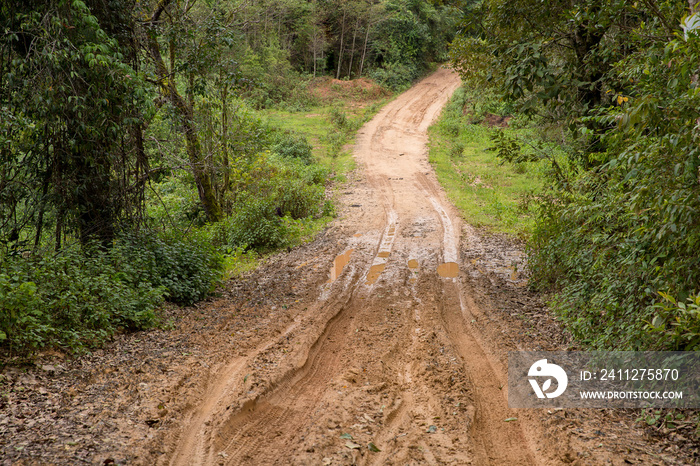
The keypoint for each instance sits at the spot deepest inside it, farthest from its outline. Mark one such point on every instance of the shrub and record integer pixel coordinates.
(255, 223)
(338, 118)
(74, 300)
(273, 188)
(395, 76)
(300, 199)
(186, 266)
(677, 323)
(292, 146)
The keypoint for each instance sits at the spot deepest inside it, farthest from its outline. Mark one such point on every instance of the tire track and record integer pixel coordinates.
(394, 356)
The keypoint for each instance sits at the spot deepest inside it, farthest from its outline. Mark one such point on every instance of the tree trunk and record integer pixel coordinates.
(340, 54)
(364, 50)
(352, 49)
(224, 141)
(94, 201)
(186, 112)
(313, 46)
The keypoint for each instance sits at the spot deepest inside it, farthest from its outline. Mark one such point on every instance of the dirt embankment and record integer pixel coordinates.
(382, 342)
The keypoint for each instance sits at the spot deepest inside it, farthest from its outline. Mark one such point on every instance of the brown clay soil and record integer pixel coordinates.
(382, 342)
(352, 93)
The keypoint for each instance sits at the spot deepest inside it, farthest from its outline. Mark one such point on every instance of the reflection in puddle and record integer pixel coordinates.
(374, 273)
(448, 270)
(413, 264)
(383, 254)
(339, 263)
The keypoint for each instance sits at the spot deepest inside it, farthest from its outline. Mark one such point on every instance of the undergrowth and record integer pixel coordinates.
(488, 192)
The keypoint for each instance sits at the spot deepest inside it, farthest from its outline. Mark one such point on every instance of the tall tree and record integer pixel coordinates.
(167, 84)
(70, 126)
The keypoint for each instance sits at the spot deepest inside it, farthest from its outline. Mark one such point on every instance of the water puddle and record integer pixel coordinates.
(448, 270)
(339, 263)
(374, 272)
(412, 264)
(384, 250)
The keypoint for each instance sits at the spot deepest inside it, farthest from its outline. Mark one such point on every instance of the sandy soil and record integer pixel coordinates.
(382, 342)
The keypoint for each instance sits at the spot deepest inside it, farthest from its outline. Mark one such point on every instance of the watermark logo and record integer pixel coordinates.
(604, 379)
(542, 368)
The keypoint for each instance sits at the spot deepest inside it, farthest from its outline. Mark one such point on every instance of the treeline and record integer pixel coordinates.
(615, 83)
(133, 166)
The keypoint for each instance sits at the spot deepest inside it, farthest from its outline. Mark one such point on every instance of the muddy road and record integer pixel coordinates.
(392, 347)
(382, 342)
(384, 363)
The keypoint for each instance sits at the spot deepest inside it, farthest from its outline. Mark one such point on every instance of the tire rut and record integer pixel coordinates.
(395, 363)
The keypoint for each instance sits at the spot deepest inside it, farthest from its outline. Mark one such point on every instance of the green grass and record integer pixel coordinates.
(487, 193)
(330, 140)
(330, 130)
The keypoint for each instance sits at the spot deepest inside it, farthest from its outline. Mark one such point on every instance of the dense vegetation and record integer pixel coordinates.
(133, 165)
(615, 85)
(488, 192)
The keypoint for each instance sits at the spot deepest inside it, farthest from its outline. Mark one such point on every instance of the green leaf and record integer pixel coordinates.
(373, 448)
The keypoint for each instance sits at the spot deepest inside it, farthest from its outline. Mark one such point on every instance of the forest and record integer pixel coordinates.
(613, 85)
(134, 165)
(136, 169)
(315, 231)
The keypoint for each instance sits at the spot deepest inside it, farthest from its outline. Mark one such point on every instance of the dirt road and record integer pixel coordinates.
(386, 356)
(384, 341)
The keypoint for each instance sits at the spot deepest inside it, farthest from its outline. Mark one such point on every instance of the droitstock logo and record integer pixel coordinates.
(542, 368)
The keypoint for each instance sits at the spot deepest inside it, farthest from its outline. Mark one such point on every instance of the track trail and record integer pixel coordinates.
(387, 366)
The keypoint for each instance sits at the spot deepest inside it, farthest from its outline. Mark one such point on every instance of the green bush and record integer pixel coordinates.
(395, 76)
(338, 118)
(186, 266)
(300, 199)
(255, 223)
(292, 146)
(677, 323)
(282, 190)
(71, 300)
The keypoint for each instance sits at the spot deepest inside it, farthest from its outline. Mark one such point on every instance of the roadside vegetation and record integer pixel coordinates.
(340, 109)
(489, 191)
(607, 95)
(149, 150)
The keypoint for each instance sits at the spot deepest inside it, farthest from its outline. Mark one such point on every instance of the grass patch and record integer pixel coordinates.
(486, 191)
(330, 129)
